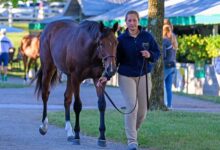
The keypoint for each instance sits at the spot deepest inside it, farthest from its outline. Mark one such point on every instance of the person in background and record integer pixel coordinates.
(169, 64)
(173, 38)
(137, 50)
(175, 47)
(5, 46)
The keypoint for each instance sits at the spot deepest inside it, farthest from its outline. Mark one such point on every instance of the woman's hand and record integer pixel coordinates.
(101, 81)
(145, 53)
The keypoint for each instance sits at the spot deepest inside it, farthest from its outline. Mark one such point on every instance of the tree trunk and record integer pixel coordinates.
(155, 25)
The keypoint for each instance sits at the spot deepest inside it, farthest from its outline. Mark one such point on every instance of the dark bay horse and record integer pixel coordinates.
(29, 49)
(81, 51)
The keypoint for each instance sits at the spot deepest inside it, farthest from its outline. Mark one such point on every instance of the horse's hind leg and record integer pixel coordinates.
(102, 107)
(67, 102)
(48, 73)
(77, 109)
(28, 68)
(25, 59)
(35, 65)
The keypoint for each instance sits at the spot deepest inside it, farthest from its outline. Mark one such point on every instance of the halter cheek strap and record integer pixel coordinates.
(100, 53)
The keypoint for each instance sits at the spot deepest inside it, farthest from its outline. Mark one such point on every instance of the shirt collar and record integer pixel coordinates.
(127, 32)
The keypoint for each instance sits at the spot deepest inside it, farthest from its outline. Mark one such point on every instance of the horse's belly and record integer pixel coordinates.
(31, 53)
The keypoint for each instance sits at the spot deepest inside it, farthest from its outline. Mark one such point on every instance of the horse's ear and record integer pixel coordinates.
(115, 27)
(101, 26)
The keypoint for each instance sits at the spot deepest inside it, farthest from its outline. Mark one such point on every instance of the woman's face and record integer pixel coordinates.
(132, 22)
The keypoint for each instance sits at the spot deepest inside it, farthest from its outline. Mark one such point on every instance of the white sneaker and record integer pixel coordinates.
(132, 146)
(170, 108)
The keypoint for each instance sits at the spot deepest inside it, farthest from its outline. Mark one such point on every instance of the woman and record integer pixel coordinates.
(136, 52)
(169, 63)
(173, 37)
(136, 47)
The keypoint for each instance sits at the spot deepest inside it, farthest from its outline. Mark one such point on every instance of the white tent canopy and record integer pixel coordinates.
(188, 11)
(97, 7)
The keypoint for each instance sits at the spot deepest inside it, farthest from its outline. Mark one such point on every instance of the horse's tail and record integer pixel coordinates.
(39, 75)
(54, 78)
(38, 87)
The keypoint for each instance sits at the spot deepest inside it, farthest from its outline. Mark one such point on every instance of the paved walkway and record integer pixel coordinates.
(21, 114)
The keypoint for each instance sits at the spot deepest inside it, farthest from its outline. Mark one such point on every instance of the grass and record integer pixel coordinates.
(16, 37)
(215, 99)
(12, 85)
(16, 68)
(21, 25)
(161, 130)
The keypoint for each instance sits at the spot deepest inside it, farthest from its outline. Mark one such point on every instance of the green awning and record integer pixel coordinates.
(181, 20)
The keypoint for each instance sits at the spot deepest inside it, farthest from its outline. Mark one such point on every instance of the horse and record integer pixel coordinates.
(29, 49)
(81, 51)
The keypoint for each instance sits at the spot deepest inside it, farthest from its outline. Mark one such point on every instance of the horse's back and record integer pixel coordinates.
(55, 32)
(54, 40)
(68, 45)
(55, 26)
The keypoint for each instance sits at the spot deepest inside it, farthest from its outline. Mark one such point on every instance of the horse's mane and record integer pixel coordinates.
(92, 27)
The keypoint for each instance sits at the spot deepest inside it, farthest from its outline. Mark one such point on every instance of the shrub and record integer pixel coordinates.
(194, 48)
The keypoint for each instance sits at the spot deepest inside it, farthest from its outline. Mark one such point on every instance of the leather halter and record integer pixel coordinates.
(100, 53)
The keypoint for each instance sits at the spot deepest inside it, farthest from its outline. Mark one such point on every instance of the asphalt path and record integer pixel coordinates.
(21, 112)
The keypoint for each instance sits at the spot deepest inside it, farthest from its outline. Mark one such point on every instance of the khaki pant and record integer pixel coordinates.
(133, 91)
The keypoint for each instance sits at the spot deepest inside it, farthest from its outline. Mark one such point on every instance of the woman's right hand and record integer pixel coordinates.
(102, 80)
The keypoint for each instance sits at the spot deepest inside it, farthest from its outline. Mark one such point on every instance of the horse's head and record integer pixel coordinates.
(107, 48)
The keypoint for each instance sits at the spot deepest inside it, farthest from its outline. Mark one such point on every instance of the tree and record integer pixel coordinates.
(155, 25)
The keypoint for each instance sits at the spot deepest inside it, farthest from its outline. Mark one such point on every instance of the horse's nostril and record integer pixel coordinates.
(111, 70)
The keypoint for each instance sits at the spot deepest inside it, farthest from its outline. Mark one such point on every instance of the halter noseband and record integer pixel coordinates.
(100, 53)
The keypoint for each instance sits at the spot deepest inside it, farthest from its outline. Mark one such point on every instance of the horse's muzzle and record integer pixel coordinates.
(111, 70)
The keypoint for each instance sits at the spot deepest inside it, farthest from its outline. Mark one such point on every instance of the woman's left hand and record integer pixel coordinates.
(145, 53)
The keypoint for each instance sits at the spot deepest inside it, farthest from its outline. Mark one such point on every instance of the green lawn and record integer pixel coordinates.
(161, 130)
(21, 25)
(12, 85)
(16, 69)
(16, 37)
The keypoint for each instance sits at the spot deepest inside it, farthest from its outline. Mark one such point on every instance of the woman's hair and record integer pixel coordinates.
(172, 37)
(167, 22)
(167, 33)
(132, 12)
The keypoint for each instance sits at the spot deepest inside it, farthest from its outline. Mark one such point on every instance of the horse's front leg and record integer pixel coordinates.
(102, 107)
(77, 106)
(67, 103)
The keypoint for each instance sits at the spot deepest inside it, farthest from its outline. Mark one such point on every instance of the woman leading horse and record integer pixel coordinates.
(81, 51)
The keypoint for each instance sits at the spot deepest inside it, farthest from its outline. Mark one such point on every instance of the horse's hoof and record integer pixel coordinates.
(76, 141)
(102, 143)
(70, 138)
(42, 132)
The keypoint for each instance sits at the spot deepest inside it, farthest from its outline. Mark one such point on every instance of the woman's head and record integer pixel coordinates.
(132, 20)
(167, 31)
(167, 22)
